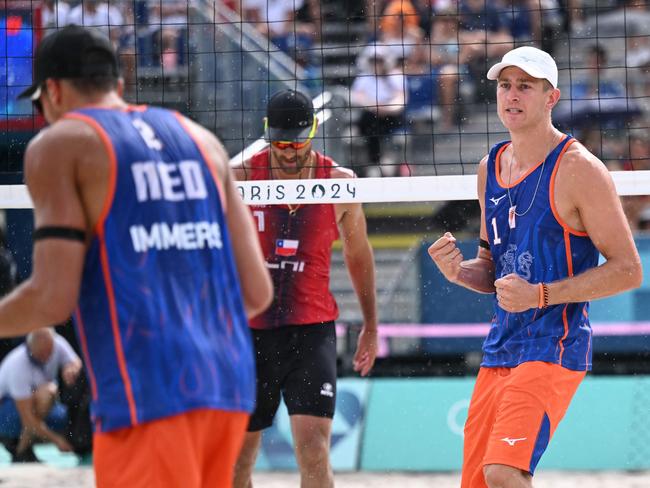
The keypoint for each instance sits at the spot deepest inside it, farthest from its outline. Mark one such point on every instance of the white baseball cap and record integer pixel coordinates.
(535, 62)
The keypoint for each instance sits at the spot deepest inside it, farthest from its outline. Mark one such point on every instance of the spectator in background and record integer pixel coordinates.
(449, 58)
(112, 22)
(99, 14)
(399, 28)
(594, 81)
(54, 13)
(422, 88)
(482, 22)
(171, 17)
(523, 19)
(277, 19)
(575, 13)
(485, 37)
(637, 58)
(554, 21)
(380, 91)
(29, 410)
(598, 98)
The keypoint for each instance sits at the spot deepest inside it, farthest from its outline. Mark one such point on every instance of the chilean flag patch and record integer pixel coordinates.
(286, 247)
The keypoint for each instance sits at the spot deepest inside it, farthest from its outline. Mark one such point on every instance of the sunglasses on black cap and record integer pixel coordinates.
(36, 99)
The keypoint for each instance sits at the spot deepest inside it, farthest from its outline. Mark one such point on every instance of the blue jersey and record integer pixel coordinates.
(529, 238)
(160, 318)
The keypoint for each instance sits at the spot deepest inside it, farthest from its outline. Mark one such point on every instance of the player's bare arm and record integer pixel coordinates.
(475, 274)
(599, 213)
(50, 294)
(256, 285)
(360, 262)
(596, 212)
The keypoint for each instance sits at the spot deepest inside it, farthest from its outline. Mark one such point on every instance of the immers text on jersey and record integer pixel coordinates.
(172, 182)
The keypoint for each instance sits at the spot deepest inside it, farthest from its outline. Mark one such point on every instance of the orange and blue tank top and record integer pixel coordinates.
(297, 247)
(160, 317)
(529, 238)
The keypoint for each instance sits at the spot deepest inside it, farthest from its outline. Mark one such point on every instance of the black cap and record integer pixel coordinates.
(290, 116)
(72, 52)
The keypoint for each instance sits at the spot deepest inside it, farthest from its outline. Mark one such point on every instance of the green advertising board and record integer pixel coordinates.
(417, 425)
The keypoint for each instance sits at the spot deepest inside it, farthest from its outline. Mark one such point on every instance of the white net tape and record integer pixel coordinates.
(363, 190)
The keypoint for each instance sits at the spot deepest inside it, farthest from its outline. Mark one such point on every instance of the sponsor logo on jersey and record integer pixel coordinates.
(286, 247)
(327, 390)
(496, 201)
(512, 442)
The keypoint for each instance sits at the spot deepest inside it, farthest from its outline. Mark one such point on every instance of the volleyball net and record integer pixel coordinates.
(400, 84)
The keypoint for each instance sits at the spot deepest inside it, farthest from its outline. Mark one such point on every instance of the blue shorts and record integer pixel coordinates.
(10, 425)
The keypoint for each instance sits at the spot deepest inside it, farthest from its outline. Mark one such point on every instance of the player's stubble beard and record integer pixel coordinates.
(287, 165)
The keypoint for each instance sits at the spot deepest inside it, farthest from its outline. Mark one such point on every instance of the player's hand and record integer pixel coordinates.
(364, 358)
(447, 256)
(514, 294)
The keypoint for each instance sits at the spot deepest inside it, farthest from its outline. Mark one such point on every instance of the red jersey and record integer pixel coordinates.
(297, 249)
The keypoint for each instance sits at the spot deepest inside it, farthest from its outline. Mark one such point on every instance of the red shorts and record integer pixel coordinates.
(513, 415)
(196, 449)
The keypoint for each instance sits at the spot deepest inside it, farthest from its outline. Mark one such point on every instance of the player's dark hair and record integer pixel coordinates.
(95, 78)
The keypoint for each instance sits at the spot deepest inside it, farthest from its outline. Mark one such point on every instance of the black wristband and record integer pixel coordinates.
(55, 232)
(484, 244)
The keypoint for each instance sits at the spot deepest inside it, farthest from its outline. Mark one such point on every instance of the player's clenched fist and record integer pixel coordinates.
(447, 256)
(515, 294)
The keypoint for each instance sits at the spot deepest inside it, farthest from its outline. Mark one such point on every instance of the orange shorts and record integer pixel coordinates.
(195, 449)
(513, 415)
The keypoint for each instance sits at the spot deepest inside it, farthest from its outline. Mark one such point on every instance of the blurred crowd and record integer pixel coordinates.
(146, 33)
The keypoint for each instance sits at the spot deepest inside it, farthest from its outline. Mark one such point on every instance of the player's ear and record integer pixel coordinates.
(53, 90)
(553, 98)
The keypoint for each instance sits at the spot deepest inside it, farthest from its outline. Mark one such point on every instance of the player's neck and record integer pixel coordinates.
(531, 147)
(109, 100)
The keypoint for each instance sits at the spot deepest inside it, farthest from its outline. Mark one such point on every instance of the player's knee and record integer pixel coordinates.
(313, 453)
(500, 476)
